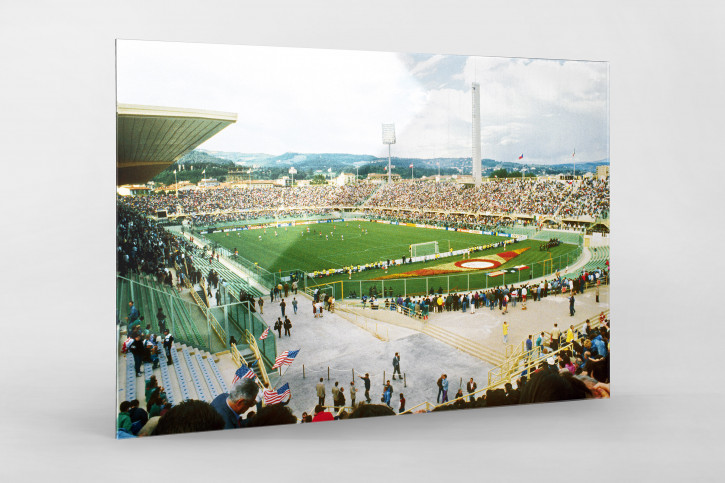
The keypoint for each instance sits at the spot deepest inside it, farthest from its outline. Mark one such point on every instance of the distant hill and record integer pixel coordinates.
(201, 157)
(338, 162)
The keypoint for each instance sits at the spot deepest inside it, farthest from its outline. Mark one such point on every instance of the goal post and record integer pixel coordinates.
(423, 249)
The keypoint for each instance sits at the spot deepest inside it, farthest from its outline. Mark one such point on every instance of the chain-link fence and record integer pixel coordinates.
(463, 282)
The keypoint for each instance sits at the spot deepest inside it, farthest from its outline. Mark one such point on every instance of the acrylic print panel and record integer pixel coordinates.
(311, 235)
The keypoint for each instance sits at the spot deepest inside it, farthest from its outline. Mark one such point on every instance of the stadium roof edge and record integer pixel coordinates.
(151, 138)
(162, 111)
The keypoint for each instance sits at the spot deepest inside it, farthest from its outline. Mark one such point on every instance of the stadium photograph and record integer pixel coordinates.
(313, 235)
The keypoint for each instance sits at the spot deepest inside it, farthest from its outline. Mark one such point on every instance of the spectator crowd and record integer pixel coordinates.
(580, 369)
(451, 202)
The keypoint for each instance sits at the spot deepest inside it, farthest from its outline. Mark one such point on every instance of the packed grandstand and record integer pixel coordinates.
(446, 201)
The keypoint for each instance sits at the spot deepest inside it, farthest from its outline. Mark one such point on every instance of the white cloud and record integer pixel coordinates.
(426, 65)
(308, 100)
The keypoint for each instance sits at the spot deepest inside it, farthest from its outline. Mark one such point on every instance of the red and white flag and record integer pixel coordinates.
(270, 396)
(285, 358)
(264, 334)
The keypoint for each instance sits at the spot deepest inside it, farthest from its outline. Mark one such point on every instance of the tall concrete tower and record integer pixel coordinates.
(476, 133)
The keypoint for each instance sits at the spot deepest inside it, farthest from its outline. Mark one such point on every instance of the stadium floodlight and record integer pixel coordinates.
(389, 138)
(388, 133)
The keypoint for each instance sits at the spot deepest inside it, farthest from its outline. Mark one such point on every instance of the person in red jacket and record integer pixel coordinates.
(321, 415)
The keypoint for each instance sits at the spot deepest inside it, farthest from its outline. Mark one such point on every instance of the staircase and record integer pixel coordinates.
(574, 189)
(365, 202)
(248, 355)
(202, 295)
(194, 374)
(464, 345)
(459, 342)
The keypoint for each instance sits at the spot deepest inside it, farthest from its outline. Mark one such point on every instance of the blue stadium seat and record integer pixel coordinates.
(165, 378)
(194, 376)
(207, 376)
(180, 375)
(218, 374)
(130, 378)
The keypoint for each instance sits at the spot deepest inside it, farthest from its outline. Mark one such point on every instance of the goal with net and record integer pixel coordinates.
(423, 249)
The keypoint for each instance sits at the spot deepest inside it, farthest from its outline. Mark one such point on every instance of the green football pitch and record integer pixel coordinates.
(341, 244)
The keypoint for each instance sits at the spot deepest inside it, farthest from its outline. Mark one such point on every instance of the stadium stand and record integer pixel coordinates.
(535, 196)
(151, 258)
(600, 255)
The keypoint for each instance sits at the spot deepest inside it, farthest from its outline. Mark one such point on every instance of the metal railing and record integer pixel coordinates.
(252, 343)
(511, 369)
(428, 407)
(421, 313)
(464, 282)
(239, 360)
(204, 306)
(176, 310)
(363, 323)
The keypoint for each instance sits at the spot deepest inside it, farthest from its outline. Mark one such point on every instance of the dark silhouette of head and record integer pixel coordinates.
(547, 386)
(188, 417)
(371, 411)
(273, 415)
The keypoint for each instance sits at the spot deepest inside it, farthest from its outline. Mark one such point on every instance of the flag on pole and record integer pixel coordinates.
(203, 171)
(243, 373)
(285, 358)
(573, 153)
(521, 157)
(270, 396)
(411, 165)
(264, 334)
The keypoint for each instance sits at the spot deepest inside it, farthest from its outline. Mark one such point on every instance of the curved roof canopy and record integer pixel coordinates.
(149, 138)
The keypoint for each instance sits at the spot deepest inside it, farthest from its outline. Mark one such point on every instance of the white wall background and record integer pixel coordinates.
(58, 152)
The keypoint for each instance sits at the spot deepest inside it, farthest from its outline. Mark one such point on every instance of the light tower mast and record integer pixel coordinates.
(389, 138)
(476, 134)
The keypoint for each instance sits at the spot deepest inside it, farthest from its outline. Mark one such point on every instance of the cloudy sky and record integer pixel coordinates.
(334, 101)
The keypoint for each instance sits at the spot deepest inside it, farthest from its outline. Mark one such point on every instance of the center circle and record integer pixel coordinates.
(477, 264)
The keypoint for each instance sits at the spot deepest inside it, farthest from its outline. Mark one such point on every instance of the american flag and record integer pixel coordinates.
(243, 373)
(270, 396)
(285, 358)
(264, 334)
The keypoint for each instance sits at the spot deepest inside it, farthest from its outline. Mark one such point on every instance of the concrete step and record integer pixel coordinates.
(462, 341)
(246, 352)
(212, 384)
(186, 386)
(465, 345)
(196, 376)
